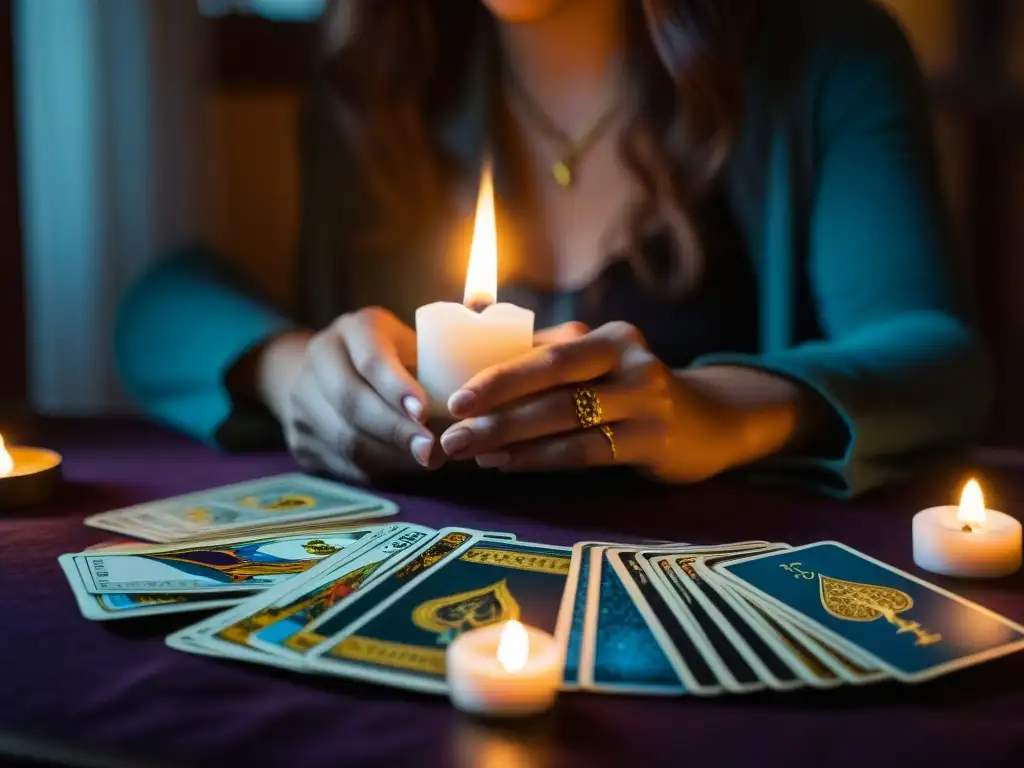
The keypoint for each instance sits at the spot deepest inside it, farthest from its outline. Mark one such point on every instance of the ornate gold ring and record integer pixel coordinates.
(607, 432)
(589, 413)
(588, 407)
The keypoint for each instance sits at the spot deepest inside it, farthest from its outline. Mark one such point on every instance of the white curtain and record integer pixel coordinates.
(109, 109)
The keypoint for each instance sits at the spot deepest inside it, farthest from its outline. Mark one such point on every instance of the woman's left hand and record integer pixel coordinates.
(522, 415)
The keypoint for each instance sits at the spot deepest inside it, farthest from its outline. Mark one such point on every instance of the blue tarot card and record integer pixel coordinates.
(445, 545)
(909, 628)
(626, 657)
(403, 641)
(683, 653)
(576, 603)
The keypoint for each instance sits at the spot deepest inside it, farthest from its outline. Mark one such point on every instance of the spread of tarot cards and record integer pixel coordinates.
(291, 576)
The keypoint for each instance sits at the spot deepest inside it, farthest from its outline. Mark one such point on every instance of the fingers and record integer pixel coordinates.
(582, 359)
(580, 449)
(540, 369)
(560, 334)
(370, 415)
(382, 349)
(550, 413)
(346, 412)
(373, 459)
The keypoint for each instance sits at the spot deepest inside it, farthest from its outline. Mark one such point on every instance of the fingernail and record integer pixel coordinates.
(492, 460)
(456, 440)
(413, 407)
(461, 401)
(421, 447)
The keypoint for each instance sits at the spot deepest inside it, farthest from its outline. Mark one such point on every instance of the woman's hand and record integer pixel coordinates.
(522, 415)
(350, 406)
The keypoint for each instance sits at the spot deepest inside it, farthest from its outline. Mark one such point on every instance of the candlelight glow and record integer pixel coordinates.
(514, 647)
(972, 505)
(482, 274)
(6, 462)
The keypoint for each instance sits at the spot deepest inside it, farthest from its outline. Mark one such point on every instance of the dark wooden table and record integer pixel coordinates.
(75, 691)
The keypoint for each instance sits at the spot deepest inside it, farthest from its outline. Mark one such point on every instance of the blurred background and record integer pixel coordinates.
(129, 128)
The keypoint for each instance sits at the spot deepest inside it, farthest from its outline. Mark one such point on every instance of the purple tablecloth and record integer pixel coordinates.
(114, 688)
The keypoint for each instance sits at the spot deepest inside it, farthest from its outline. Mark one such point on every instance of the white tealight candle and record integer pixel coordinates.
(967, 540)
(27, 475)
(454, 341)
(504, 670)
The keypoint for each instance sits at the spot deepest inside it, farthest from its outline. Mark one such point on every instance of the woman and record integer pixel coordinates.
(735, 202)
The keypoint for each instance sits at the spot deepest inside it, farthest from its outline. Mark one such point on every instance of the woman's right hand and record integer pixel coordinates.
(347, 400)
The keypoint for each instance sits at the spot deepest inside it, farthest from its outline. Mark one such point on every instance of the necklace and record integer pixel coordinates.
(563, 170)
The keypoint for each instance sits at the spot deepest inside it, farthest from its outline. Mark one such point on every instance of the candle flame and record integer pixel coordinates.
(972, 505)
(482, 274)
(6, 462)
(513, 647)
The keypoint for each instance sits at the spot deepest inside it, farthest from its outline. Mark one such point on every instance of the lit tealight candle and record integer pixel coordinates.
(967, 540)
(456, 341)
(27, 475)
(504, 670)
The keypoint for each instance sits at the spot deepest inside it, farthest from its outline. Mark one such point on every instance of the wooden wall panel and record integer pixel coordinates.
(951, 140)
(931, 26)
(254, 134)
(1014, 43)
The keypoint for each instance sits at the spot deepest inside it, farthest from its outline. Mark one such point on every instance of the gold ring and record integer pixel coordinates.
(588, 407)
(607, 432)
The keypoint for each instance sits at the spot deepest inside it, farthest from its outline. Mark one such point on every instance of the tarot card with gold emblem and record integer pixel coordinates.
(904, 626)
(267, 625)
(280, 503)
(212, 566)
(299, 600)
(402, 640)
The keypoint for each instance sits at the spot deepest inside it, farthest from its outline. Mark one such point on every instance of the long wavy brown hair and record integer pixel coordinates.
(399, 68)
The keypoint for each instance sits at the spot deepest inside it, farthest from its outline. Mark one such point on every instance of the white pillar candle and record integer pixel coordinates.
(967, 540)
(504, 670)
(454, 341)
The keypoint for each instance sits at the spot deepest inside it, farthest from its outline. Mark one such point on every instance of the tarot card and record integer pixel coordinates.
(229, 633)
(677, 645)
(444, 546)
(620, 653)
(733, 671)
(272, 501)
(843, 667)
(789, 662)
(211, 567)
(202, 645)
(569, 631)
(756, 653)
(911, 629)
(270, 628)
(115, 606)
(402, 640)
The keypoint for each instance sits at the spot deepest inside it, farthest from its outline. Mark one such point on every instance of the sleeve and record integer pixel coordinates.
(900, 364)
(179, 330)
(187, 322)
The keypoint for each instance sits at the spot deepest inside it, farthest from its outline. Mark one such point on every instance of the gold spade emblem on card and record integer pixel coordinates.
(861, 602)
(280, 503)
(320, 548)
(451, 615)
(851, 601)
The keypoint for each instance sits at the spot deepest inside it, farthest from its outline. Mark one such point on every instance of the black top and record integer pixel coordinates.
(719, 314)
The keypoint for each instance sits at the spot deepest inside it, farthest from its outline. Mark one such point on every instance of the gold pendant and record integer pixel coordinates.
(561, 171)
